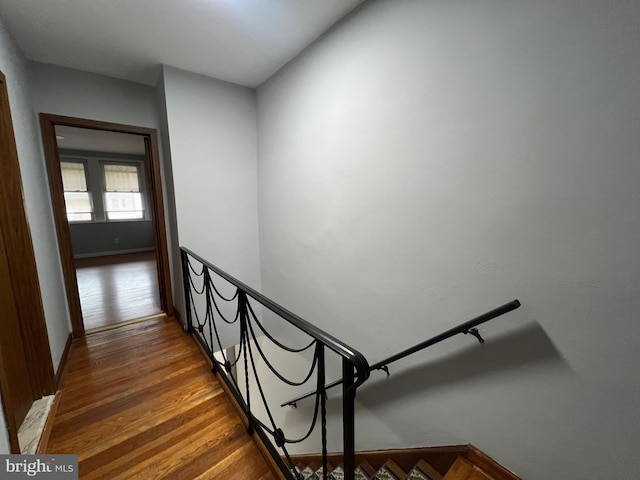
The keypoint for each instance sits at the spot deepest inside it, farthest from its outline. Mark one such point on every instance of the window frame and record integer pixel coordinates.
(96, 181)
(87, 181)
(141, 189)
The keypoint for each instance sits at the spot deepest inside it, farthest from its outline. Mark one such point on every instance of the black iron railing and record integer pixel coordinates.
(208, 312)
(206, 317)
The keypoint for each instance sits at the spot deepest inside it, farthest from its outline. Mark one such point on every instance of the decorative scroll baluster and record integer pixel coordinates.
(244, 335)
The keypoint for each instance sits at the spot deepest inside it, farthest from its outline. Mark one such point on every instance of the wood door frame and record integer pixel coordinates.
(29, 330)
(48, 123)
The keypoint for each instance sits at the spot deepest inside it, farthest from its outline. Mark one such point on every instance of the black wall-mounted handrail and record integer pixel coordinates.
(352, 355)
(468, 327)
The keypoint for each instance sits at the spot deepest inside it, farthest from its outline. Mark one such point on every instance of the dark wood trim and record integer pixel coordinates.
(154, 183)
(489, 465)
(62, 226)
(62, 366)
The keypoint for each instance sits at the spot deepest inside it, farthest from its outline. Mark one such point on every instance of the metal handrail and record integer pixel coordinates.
(468, 327)
(358, 360)
(355, 368)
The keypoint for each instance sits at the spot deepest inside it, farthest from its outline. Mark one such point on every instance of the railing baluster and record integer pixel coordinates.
(348, 419)
(244, 334)
(187, 289)
(323, 408)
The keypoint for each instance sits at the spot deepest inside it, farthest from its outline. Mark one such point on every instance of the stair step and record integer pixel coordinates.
(390, 471)
(465, 470)
(462, 469)
(423, 471)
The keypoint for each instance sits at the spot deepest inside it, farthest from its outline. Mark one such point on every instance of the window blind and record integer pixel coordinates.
(121, 178)
(73, 177)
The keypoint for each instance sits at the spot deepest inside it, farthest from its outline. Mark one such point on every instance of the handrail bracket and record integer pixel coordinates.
(474, 331)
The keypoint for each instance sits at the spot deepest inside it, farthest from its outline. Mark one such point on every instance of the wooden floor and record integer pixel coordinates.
(140, 402)
(117, 288)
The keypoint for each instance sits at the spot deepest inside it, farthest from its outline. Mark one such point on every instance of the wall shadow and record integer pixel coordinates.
(526, 347)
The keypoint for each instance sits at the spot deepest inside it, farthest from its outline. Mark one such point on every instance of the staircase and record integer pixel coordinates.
(440, 463)
(389, 471)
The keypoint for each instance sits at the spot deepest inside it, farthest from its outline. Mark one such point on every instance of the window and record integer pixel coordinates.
(76, 196)
(122, 197)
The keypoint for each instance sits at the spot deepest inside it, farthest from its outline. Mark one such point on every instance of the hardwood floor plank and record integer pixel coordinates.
(151, 442)
(141, 402)
(117, 288)
(82, 403)
(120, 416)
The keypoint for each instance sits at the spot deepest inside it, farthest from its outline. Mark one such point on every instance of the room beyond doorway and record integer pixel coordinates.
(117, 288)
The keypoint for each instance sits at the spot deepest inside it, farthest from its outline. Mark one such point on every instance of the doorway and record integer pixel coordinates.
(108, 207)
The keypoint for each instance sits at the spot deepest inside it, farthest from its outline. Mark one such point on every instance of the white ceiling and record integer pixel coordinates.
(240, 41)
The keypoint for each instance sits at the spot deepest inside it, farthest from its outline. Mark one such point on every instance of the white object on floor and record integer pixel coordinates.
(33, 425)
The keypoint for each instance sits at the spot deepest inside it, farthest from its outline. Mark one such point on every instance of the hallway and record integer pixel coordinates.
(140, 401)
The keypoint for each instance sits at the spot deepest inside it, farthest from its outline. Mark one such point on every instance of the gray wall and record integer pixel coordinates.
(212, 133)
(100, 238)
(65, 91)
(36, 195)
(170, 199)
(427, 161)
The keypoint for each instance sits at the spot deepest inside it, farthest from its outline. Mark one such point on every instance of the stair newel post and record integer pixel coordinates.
(348, 419)
(187, 289)
(323, 407)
